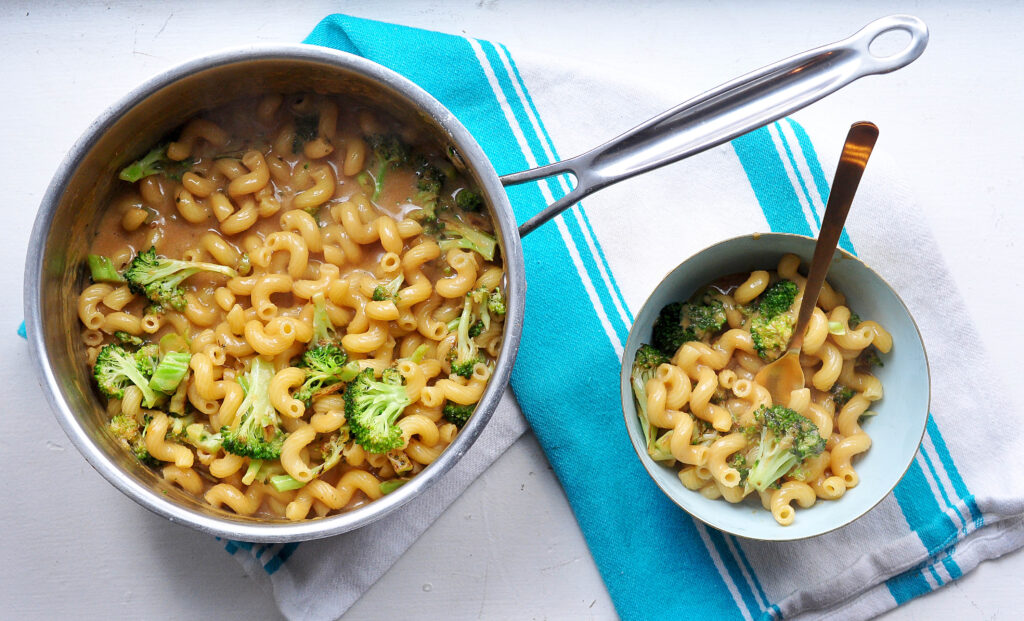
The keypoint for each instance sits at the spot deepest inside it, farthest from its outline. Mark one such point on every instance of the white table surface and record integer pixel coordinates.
(73, 546)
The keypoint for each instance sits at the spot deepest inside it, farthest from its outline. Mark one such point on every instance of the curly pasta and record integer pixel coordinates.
(332, 261)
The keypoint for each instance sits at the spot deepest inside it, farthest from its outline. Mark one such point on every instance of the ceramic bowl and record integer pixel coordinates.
(896, 431)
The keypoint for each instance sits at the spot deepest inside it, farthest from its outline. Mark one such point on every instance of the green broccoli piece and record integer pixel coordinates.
(661, 450)
(778, 298)
(325, 361)
(102, 269)
(202, 437)
(645, 364)
(739, 462)
(705, 317)
(158, 278)
(429, 183)
(771, 326)
(854, 320)
(155, 162)
(682, 322)
(869, 359)
(323, 329)
(325, 366)
(466, 354)
(128, 340)
(496, 302)
(371, 409)
(668, 333)
(306, 129)
(469, 200)
(457, 414)
(457, 234)
(132, 435)
(388, 291)
(389, 152)
(170, 371)
(786, 440)
(841, 394)
(116, 369)
(386, 487)
(255, 431)
(771, 336)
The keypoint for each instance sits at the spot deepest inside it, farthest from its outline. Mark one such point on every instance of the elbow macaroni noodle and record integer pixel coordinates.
(295, 217)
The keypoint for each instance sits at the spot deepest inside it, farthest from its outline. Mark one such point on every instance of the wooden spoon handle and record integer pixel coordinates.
(859, 142)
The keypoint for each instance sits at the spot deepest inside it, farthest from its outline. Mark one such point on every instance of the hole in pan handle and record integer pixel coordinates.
(728, 111)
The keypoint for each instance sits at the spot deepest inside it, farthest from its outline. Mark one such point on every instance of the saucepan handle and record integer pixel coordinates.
(728, 111)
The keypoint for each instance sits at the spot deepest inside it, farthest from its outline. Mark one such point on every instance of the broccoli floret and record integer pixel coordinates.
(132, 435)
(202, 437)
(389, 151)
(841, 394)
(325, 361)
(306, 129)
(457, 234)
(371, 409)
(102, 269)
(786, 440)
(854, 320)
(399, 461)
(496, 302)
(170, 371)
(465, 355)
(739, 462)
(158, 278)
(668, 333)
(128, 340)
(645, 363)
(771, 336)
(777, 299)
(326, 366)
(457, 414)
(771, 326)
(429, 183)
(705, 317)
(255, 431)
(388, 291)
(869, 358)
(469, 200)
(117, 369)
(155, 162)
(323, 329)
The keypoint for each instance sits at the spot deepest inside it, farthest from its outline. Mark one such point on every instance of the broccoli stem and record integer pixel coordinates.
(170, 371)
(386, 487)
(285, 482)
(102, 269)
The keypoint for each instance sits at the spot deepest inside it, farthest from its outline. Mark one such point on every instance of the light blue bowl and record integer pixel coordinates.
(896, 431)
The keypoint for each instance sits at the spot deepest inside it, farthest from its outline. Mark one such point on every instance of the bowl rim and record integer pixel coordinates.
(241, 528)
(627, 398)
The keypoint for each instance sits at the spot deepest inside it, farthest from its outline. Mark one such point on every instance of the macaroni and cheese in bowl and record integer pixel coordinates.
(275, 293)
(710, 436)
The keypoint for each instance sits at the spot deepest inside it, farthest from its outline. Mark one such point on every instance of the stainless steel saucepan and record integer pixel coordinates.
(86, 179)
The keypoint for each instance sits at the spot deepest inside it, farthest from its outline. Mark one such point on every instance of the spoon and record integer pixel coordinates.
(785, 375)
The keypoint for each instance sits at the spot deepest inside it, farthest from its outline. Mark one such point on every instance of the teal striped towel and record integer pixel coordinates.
(948, 514)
